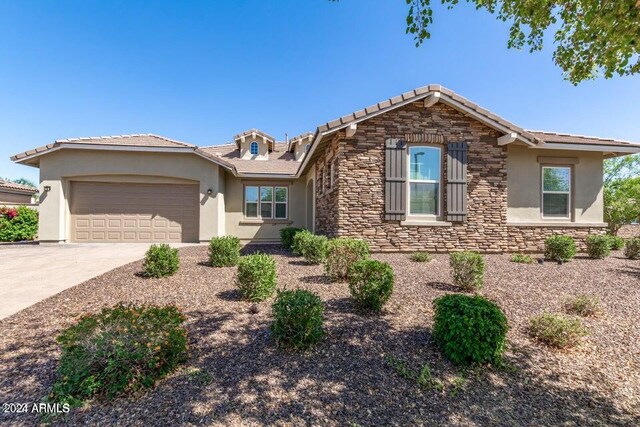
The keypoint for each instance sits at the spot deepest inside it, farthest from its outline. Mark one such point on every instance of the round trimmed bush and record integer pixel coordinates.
(632, 248)
(312, 247)
(160, 261)
(615, 242)
(117, 352)
(469, 329)
(468, 270)
(298, 318)
(559, 248)
(342, 253)
(224, 251)
(598, 247)
(256, 276)
(557, 330)
(286, 236)
(371, 284)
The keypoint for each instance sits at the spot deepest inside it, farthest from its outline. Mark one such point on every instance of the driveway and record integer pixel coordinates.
(31, 273)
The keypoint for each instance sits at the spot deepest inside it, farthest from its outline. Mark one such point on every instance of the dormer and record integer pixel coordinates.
(300, 145)
(254, 144)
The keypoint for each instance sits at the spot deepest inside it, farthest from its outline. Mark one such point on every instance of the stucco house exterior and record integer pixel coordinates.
(15, 194)
(425, 170)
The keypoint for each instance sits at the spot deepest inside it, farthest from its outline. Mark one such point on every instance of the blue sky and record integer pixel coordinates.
(201, 72)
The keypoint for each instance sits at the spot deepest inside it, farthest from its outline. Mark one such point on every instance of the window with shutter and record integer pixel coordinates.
(395, 184)
(457, 181)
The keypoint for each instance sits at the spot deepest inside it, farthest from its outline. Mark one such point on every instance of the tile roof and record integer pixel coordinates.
(280, 160)
(137, 140)
(257, 132)
(566, 138)
(12, 186)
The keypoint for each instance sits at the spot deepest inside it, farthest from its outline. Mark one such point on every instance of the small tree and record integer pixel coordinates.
(622, 202)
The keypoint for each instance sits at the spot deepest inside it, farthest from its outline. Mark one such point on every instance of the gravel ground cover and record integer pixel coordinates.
(236, 375)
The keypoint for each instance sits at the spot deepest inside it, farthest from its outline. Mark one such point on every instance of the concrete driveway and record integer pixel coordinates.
(31, 273)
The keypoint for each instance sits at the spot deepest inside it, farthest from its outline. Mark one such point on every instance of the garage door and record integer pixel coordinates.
(128, 212)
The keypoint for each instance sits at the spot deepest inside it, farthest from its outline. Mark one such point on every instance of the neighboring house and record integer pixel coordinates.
(425, 170)
(15, 194)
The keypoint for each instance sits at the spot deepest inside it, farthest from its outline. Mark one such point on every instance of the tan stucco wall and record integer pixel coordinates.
(524, 181)
(299, 150)
(8, 197)
(236, 225)
(59, 168)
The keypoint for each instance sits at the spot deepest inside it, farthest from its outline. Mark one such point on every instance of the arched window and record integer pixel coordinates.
(253, 149)
(306, 147)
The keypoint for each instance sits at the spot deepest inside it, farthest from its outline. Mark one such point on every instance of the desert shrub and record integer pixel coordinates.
(286, 236)
(420, 257)
(469, 329)
(522, 258)
(118, 351)
(632, 248)
(598, 246)
(468, 269)
(312, 247)
(584, 305)
(298, 318)
(256, 276)
(615, 242)
(17, 224)
(160, 260)
(342, 253)
(559, 248)
(371, 284)
(224, 251)
(557, 330)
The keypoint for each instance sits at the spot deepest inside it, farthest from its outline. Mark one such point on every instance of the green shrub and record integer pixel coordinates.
(420, 257)
(468, 269)
(286, 236)
(632, 248)
(615, 243)
(17, 224)
(224, 251)
(118, 351)
(584, 305)
(256, 276)
(342, 253)
(160, 260)
(298, 318)
(312, 247)
(522, 258)
(469, 329)
(559, 248)
(371, 284)
(598, 247)
(557, 330)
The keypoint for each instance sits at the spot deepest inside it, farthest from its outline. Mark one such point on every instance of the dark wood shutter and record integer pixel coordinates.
(395, 183)
(457, 181)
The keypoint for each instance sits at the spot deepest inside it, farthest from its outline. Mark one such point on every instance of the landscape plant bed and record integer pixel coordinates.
(236, 375)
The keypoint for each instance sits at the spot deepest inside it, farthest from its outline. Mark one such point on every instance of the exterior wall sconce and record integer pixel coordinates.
(47, 188)
(209, 191)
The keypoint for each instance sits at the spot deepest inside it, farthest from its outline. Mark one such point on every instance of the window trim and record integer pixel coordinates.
(251, 148)
(568, 193)
(425, 217)
(273, 202)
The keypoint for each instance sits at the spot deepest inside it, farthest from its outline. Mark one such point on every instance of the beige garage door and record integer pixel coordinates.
(128, 212)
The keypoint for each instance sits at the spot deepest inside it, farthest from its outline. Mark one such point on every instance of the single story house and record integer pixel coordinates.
(425, 170)
(12, 193)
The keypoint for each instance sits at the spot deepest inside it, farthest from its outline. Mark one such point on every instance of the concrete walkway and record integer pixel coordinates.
(31, 273)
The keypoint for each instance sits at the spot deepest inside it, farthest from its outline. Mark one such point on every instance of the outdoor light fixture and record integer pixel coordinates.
(47, 188)
(209, 191)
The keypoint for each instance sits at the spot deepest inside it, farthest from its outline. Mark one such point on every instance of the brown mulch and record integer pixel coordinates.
(237, 376)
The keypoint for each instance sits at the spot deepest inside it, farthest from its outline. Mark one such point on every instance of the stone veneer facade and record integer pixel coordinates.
(354, 207)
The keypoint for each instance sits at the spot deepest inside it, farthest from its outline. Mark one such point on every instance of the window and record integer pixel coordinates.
(253, 148)
(424, 181)
(332, 173)
(306, 147)
(556, 191)
(265, 202)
